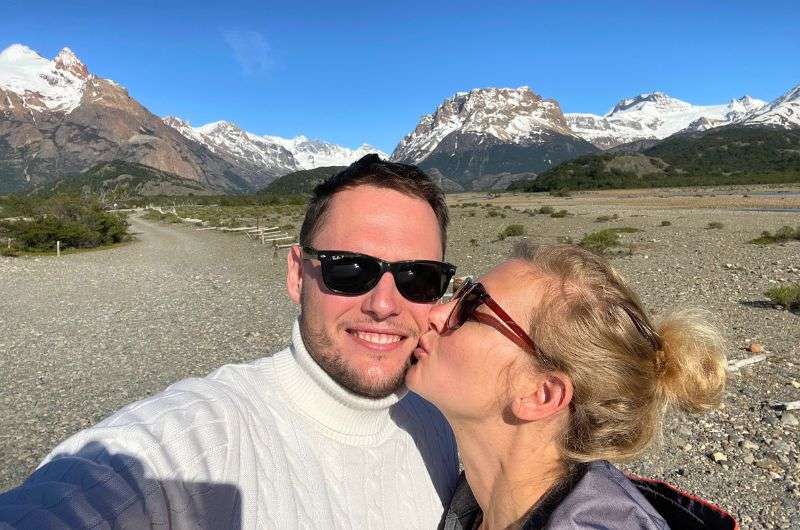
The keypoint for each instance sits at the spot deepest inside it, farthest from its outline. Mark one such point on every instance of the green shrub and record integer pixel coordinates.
(605, 218)
(559, 214)
(563, 192)
(782, 235)
(599, 242)
(512, 230)
(9, 252)
(74, 222)
(546, 210)
(714, 225)
(666, 223)
(786, 295)
(625, 230)
(492, 213)
(473, 242)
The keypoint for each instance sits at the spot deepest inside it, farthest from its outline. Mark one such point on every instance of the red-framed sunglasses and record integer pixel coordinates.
(468, 298)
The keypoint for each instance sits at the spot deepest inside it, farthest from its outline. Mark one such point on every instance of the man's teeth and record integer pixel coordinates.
(377, 338)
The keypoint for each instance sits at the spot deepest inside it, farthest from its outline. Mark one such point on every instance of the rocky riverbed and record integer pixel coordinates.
(84, 334)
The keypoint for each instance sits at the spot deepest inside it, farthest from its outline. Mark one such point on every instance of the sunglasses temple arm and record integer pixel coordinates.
(505, 317)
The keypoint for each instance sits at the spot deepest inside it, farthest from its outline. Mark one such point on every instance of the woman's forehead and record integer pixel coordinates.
(513, 274)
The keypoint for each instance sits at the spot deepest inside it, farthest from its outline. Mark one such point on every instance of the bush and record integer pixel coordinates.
(560, 193)
(625, 230)
(605, 218)
(782, 235)
(546, 210)
(473, 242)
(512, 230)
(9, 252)
(714, 225)
(492, 213)
(666, 223)
(599, 242)
(565, 240)
(74, 222)
(786, 295)
(559, 214)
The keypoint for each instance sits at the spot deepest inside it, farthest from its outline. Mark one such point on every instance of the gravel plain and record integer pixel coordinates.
(86, 333)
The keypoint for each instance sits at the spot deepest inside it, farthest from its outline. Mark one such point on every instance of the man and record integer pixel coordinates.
(320, 435)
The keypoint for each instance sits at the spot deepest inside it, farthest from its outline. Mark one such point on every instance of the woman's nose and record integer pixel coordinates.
(437, 318)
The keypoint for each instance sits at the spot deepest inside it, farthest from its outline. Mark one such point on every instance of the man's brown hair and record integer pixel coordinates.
(371, 170)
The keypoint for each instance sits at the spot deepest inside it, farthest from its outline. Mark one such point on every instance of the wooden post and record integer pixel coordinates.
(58, 248)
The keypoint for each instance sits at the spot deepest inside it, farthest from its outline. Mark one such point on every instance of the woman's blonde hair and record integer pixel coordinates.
(625, 370)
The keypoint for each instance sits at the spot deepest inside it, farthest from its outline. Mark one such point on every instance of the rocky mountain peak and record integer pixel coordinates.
(783, 112)
(176, 122)
(41, 85)
(513, 115)
(651, 99)
(66, 60)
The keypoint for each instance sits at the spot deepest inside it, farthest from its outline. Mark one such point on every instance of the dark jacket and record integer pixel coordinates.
(599, 496)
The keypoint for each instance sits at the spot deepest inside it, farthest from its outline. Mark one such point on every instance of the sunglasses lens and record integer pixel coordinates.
(421, 282)
(466, 305)
(351, 274)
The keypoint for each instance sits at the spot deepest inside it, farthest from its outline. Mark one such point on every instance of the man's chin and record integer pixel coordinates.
(370, 382)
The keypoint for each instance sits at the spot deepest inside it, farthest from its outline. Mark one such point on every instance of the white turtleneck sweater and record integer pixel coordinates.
(271, 444)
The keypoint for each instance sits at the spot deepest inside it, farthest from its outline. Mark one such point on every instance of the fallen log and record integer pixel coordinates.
(734, 366)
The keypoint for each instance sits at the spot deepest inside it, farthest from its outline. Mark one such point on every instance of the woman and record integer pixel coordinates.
(549, 368)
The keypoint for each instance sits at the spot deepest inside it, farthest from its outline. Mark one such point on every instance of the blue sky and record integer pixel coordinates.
(353, 72)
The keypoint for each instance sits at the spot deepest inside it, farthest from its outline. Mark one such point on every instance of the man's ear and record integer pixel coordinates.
(294, 273)
(551, 395)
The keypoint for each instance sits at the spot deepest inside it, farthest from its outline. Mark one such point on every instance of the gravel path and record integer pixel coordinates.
(84, 334)
(87, 333)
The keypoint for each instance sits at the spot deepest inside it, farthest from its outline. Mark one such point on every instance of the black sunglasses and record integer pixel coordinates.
(352, 274)
(471, 296)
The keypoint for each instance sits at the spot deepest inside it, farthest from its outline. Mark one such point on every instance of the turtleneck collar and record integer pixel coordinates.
(312, 392)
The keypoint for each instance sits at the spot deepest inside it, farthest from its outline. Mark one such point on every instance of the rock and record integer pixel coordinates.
(749, 458)
(789, 420)
(719, 457)
(750, 446)
(755, 347)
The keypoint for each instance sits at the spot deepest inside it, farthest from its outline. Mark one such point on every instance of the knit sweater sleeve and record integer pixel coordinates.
(163, 462)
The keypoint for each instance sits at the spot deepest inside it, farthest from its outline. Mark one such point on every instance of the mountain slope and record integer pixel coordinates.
(268, 156)
(656, 116)
(300, 182)
(490, 131)
(783, 112)
(119, 180)
(57, 119)
(734, 154)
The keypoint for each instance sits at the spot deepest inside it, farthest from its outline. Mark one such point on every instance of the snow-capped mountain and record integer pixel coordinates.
(508, 114)
(264, 157)
(273, 154)
(656, 116)
(311, 154)
(39, 84)
(490, 131)
(58, 119)
(783, 112)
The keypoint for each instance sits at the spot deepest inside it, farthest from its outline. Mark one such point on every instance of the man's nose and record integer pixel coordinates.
(437, 318)
(384, 300)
